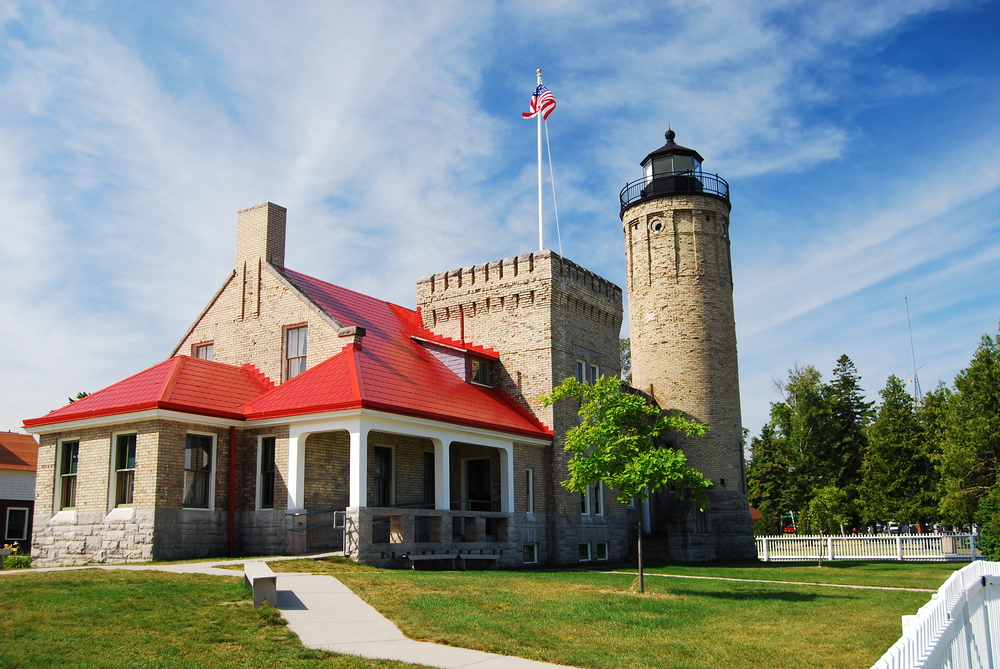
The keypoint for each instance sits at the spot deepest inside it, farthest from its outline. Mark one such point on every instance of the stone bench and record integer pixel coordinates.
(415, 558)
(490, 561)
(258, 575)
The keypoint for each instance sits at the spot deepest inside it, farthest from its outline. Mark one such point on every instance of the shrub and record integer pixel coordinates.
(14, 560)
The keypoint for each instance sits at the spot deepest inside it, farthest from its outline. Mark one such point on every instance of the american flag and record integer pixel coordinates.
(542, 101)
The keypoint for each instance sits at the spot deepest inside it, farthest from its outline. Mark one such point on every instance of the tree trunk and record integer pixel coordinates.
(642, 583)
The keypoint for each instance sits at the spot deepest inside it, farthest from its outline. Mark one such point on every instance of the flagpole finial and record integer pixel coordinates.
(538, 71)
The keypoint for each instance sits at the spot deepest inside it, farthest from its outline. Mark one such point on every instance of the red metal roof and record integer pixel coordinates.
(181, 383)
(18, 452)
(392, 371)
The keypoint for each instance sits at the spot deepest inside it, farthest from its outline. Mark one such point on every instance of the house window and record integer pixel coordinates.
(198, 471)
(17, 524)
(593, 373)
(529, 490)
(585, 501)
(382, 472)
(585, 552)
(597, 497)
(295, 351)
(68, 462)
(480, 371)
(530, 554)
(124, 469)
(204, 351)
(602, 550)
(267, 469)
(581, 371)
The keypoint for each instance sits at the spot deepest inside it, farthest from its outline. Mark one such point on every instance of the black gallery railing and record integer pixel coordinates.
(673, 184)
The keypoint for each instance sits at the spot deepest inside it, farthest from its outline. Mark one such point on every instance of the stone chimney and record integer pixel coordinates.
(260, 235)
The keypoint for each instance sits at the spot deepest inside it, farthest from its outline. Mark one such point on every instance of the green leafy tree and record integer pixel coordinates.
(989, 525)
(616, 442)
(79, 396)
(828, 511)
(625, 349)
(899, 480)
(970, 438)
(767, 476)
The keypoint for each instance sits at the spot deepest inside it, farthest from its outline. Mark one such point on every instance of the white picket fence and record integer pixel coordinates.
(958, 629)
(902, 547)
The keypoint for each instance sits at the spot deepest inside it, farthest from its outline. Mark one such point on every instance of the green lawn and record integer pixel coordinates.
(592, 619)
(584, 618)
(888, 574)
(147, 620)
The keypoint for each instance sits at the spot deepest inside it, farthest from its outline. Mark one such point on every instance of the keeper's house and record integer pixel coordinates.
(292, 404)
(18, 460)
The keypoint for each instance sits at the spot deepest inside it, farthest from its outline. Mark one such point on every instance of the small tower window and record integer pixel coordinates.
(656, 225)
(480, 371)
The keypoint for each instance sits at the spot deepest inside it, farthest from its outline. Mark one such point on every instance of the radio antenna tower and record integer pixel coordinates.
(913, 357)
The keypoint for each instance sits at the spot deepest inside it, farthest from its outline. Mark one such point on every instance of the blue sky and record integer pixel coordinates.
(860, 141)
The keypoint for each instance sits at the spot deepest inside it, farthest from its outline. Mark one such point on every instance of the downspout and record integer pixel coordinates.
(232, 490)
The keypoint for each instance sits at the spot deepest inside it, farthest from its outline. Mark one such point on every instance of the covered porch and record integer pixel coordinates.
(411, 489)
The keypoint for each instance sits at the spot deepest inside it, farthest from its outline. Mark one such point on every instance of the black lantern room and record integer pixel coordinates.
(673, 170)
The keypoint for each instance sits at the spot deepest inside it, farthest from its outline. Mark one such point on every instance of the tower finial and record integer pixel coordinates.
(670, 134)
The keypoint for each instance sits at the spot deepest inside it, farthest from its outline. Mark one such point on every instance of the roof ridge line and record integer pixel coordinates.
(168, 384)
(357, 379)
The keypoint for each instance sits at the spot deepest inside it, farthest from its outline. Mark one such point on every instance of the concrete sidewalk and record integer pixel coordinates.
(326, 615)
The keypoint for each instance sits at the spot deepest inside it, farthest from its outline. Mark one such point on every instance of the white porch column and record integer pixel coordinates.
(297, 436)
(507, 478)
(359, 464)
(442, 474)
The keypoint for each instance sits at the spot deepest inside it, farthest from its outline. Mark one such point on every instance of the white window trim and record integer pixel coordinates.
(195, 347)
(594, 372)
(529, 492)
(607, 552)
(284, 349)
(590, 556)
(260, 473)
(580, 372)
(113, 470)
(535, 561)
(211, 474)
(27, 521)
(58, 484)
(599, 492)
(585, 502)
(392, 464)
(489, 371)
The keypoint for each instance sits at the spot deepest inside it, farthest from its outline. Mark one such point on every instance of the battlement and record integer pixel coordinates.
(523, 268)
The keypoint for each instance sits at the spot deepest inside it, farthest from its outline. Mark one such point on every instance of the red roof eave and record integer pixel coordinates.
(145, 406)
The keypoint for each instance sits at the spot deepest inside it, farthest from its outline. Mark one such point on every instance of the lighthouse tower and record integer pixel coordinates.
(680, 294)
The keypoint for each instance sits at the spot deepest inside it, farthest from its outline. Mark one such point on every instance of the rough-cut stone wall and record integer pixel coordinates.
(684, 353)
(542, 313)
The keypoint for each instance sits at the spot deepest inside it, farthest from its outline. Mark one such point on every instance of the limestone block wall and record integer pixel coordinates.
(542, 313)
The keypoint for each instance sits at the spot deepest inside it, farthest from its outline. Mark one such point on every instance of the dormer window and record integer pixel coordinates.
(479, 371)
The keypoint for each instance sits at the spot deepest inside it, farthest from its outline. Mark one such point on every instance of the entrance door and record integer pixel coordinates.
(478, 478)
(383, 476)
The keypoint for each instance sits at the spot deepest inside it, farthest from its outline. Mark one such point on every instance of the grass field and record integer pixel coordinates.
(592, 619)
(147, 620)
(583, 618)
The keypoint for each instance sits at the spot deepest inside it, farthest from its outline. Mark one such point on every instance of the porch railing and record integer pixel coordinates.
(901, 547)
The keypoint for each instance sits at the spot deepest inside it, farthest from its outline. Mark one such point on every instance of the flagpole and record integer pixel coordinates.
(541, 227)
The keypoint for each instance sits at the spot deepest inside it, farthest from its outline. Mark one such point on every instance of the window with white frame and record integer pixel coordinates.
(205, 351)
(198, 466)
(585, 501)
(17, 523)
(266, 472)
(587, 372)
(601, 550)
(581, 371)
(69, 460)
(593, 373)
(584, 552)
(529, 490)
(597, 497)
(530, 554)
(295, 351)
(124, 469)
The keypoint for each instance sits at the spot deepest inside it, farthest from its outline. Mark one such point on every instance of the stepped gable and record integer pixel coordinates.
(18, 452)
(180, 383)
(391, 371)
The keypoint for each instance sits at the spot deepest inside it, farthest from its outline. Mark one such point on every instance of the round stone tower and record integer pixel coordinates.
(680, 294)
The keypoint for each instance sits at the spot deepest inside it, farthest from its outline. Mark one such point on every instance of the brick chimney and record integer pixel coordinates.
(260, 235)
